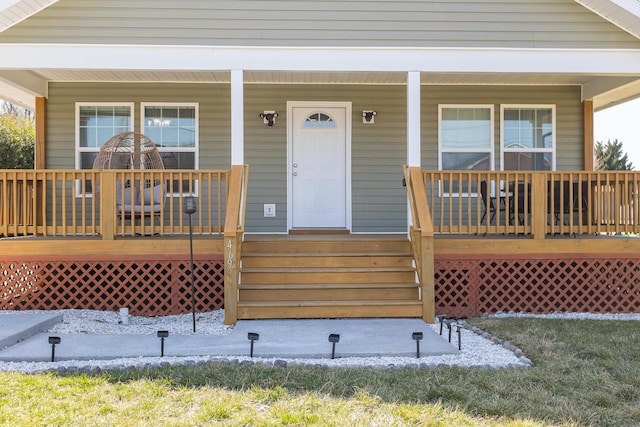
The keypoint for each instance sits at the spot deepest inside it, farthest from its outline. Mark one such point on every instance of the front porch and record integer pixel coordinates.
(542, 252)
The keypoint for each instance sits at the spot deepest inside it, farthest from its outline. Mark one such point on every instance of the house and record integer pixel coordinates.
(325, 103)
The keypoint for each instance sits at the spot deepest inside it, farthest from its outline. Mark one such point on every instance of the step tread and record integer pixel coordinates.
(325, 269)
(304, 303)
(365, 255)
(269, 286)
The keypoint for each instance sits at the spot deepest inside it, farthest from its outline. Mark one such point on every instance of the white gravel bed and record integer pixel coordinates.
(479, 349)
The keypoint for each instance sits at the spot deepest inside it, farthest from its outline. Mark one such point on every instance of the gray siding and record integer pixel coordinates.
(377, 153)
(378, 150)
(214, 110)
(486, 23)
(569, 117)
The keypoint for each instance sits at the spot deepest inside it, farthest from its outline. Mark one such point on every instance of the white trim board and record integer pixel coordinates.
(437, 60)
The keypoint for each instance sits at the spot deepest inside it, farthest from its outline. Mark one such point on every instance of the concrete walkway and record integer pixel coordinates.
(302, 338)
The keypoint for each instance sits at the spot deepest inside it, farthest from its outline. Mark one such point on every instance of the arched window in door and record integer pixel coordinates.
(319, 120)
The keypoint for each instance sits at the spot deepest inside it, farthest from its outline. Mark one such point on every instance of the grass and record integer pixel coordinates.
(586, 373)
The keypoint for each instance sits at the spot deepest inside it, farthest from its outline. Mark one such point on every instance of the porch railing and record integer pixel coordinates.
(421, 235)
(233, 237)
(533, 203)
(110, 203)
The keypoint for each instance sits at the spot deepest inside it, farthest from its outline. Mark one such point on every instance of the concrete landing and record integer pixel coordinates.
(16, 326)
(301, 338)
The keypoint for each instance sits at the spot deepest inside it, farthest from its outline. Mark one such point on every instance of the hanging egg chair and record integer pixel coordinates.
(128, 150)
(137, 198)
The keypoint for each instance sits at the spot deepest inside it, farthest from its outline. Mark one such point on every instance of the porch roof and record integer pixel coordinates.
(608, 77)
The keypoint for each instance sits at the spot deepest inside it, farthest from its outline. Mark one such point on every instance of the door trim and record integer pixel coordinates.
(348, 124)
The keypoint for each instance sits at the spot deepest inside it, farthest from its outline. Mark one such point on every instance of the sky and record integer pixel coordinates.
(621, 122)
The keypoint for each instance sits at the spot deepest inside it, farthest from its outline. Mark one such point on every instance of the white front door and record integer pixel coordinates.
(318, 169)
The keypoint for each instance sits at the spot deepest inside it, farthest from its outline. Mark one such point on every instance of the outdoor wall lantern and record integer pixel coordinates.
(269, 117)
(53, 341)
(162, 335)
(333, 339)
(417, 336)
(252, 336)
(368, 116)
(190, 209)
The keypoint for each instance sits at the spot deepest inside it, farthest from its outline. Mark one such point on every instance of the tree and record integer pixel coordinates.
(610, 156)
(17, 138)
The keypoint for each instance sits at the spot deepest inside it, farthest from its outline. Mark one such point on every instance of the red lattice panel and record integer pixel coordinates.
(456, 292)
(147, 287)
(540, 285)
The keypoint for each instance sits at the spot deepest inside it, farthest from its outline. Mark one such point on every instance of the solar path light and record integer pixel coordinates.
(450, 323)
(417, 336)
(441, 318)
(53, 341)
(162, 335)
(333, 339)
(190, 209)
(252, 336)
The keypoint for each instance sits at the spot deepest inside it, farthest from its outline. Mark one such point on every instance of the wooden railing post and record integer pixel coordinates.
(107, 194)
(424, 255)
(233, 231)
(538, 202)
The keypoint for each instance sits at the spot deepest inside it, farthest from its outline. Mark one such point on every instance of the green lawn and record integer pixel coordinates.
(586, 373)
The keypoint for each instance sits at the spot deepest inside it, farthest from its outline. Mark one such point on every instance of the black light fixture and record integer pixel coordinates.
(417, 336)
(450, 323)
(269, 118)
(333, 339)
(190, 209)
(441, 318)
(252, 336)
(459, 331)
(368, 116)
(162, 335)
(53, 341)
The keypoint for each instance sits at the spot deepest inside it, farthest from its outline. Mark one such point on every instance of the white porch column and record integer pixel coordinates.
(237, 117)
(413, 118)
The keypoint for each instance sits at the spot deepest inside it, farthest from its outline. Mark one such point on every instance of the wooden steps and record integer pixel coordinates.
(319, 276)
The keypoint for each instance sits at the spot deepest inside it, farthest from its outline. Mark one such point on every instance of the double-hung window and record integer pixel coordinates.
(173, 127)
(96, 123)
(465, 140)
(528, 134)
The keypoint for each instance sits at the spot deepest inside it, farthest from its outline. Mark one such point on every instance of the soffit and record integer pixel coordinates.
(623, 13)
(15, 11)
(285, 77)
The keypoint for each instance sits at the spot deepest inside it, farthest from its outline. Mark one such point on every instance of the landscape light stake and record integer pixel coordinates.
(441, 318)
(450, 323)
(459, 330)
(417, 336)
(162, 335)
(333, 339)
(190, 209)
(252, 336)
(53, 341)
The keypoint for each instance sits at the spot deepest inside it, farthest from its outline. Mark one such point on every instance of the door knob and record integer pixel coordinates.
(295, 165)
(295, 174)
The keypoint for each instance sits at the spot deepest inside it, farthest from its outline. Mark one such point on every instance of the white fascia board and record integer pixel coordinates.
(465, 60)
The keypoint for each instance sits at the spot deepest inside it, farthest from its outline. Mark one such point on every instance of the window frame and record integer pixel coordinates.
(196, 147)
(79, 150)
(490, 150)
(554, 144)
